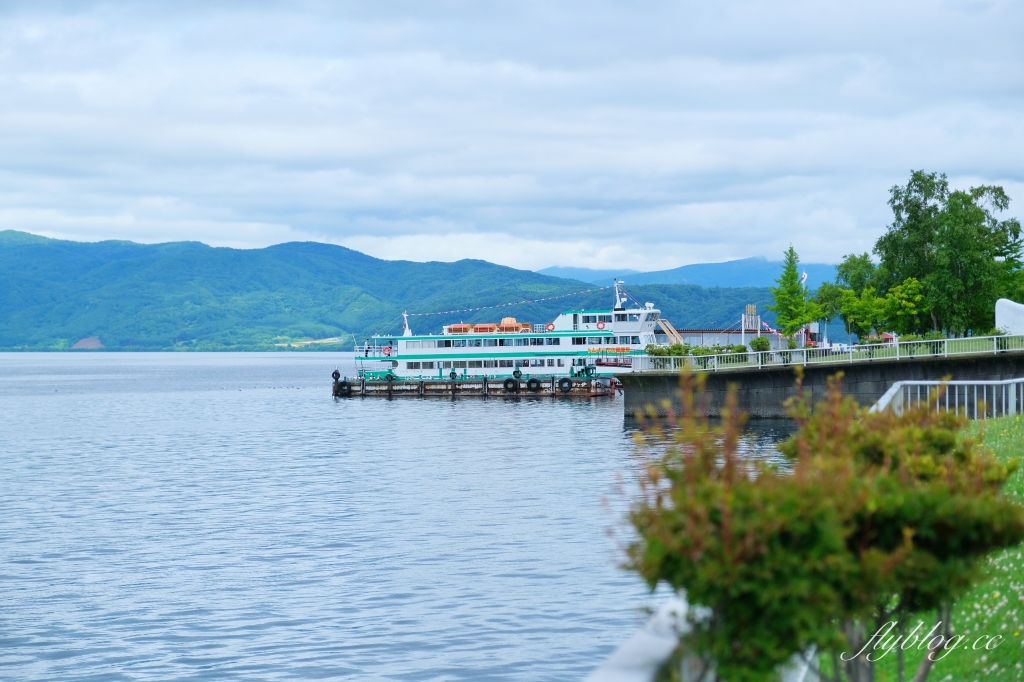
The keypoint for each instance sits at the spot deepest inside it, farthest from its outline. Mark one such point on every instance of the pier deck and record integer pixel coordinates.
(551, 387)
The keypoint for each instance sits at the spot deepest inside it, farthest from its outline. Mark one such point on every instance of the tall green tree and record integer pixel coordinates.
(792, 305)
(856, 273)
(953, 244)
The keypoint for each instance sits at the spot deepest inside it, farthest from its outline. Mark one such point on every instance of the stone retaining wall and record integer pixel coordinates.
(762, 392)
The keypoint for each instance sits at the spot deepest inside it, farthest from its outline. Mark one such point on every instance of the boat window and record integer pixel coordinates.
(561, 363)
(623, 339)
(536, 342)
(579, 341)
(589, 319)
(446, 364)
(553, 342)
(594, 340)
(504, 363)
(609, 340)
(634, 317)
(551, 362)
(428, 365)
(522, 363)
(459, 364)
(473, 343)
(522, 342)
(490, 363)
(412, 344)
(620, 317)
(458, 343)
(490, 342)
(447, 343)
(537, 363)
(651, 317)
(506, 342)
(635, 340)
(604, 318)
(412, 365)
(475, 364)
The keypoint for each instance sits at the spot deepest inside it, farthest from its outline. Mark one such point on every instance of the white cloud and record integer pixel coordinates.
(591, 134)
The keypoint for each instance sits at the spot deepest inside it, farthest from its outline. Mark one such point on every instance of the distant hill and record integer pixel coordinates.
(190, 296)
(748, 272)
(601, 277)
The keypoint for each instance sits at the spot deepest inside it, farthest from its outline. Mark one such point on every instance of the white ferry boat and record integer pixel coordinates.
(576, 344)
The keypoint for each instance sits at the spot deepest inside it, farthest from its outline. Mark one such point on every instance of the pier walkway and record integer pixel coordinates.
(765, 380)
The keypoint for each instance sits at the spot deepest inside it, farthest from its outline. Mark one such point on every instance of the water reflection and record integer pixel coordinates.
(760, 440)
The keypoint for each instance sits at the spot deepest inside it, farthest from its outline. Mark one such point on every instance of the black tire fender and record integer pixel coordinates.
(511, 385)
(342, 389)
(533, 385)
(565, 384)
(335, 375)
(453, 375)
(518, 374)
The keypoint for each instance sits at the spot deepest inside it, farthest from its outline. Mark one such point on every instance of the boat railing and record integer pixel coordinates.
(896, 350)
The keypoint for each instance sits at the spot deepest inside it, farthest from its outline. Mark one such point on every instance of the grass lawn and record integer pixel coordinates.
(994, 607)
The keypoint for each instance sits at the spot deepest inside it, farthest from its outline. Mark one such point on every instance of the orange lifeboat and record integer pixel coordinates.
(509, 324)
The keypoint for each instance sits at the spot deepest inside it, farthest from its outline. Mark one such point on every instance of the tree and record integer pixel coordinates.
(878, 516)
(792, 307)
(904, 308)
(856, 273)
(954, 246)
(861, 313)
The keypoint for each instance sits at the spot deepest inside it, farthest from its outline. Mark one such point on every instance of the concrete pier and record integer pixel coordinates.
(763, 392)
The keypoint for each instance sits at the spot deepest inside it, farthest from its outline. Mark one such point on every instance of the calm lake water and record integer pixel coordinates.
(220, 516)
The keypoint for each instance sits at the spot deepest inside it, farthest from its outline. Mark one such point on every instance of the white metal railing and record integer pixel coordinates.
(972, 345)
(973, 399)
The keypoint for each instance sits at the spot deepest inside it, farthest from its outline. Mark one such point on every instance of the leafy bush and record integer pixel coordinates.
(876, 517)
(760, 343)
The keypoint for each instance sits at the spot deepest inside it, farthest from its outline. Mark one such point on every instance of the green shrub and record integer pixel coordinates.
(760, 344)
(875, 517)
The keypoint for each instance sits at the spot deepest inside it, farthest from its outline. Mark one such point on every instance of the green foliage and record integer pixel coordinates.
(188, 296)
(861, 313)
(793, 309)
(856, 273)
(829, 299)
(952, 243)
(760, 344)
(904, 307)
(876, 517)
(679, 349)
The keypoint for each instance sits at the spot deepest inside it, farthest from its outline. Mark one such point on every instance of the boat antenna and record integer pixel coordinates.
(405, 325)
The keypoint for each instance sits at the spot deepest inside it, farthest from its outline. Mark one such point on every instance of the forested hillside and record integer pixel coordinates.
(189, 296)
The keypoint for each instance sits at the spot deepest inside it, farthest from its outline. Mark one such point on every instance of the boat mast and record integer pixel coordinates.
(620, 299)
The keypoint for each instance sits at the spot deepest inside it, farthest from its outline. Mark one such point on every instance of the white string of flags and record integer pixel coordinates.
(505, 305)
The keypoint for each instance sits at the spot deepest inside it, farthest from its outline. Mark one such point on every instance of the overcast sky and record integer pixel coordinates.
(641, 135)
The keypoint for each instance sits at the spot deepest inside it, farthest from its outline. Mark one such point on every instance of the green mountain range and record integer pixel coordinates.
(190, 296)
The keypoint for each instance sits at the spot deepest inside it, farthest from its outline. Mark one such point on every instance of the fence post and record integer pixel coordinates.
(995, 349)
(759, 354)
(897, 349)
(945, 348)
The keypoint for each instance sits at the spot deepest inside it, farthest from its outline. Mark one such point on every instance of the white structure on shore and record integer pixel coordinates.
(1009, 317)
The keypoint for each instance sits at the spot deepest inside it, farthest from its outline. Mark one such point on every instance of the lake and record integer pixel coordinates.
(220, 516)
